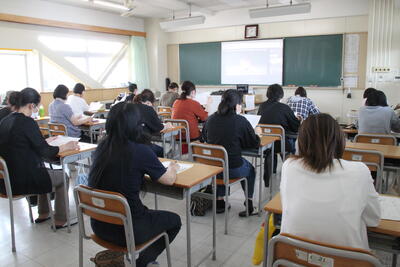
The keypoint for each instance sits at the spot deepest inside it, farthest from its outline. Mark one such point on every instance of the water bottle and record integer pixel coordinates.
(41, 111)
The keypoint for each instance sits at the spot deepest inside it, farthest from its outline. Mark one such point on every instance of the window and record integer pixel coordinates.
(54, 75)
(13, 71)
(120, 75)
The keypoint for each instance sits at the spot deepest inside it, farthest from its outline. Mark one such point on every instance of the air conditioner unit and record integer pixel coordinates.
(280, 10)
(189, 21)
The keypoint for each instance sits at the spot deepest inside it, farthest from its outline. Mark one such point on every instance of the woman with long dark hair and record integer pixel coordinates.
(234, 132)
(121, 160)
(325, 198)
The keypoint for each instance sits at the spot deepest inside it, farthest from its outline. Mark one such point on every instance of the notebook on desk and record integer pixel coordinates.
(253, 119)
(62, 140)
(182, 166)
(390, 207)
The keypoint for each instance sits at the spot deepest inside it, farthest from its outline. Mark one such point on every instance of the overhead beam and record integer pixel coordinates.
(67, 25)
(177, 5)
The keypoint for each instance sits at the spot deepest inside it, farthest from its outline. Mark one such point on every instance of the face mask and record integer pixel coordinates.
(35, 115)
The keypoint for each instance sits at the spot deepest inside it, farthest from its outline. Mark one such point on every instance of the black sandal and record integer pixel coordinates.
(40, 220)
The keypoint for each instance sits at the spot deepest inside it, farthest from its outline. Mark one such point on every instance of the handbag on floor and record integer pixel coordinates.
(109, 258)
(199, 205)
(82, 177)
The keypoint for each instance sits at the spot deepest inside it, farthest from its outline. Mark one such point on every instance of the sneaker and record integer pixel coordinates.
(221, 206)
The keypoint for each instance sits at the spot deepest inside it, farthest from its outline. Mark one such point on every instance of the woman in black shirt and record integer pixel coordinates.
(274, 112)
(11, 101)
(120, 162)
(23, 148)
(234, 132)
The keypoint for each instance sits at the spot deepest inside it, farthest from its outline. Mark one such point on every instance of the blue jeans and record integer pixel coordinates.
(246, 170)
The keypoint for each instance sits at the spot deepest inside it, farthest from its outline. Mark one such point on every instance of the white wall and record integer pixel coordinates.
(67, 13)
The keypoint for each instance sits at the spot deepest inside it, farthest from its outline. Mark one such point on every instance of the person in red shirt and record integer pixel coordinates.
(186, 108)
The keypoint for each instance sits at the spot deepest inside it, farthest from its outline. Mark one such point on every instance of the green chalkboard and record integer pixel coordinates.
(200, 63)
(313, 60)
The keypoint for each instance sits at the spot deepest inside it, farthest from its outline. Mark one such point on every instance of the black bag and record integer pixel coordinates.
(199, 205)
(109, 258)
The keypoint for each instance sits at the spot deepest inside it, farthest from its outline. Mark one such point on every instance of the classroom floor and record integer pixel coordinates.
(38, 245)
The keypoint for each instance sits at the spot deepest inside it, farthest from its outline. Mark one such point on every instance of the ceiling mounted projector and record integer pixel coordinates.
(280, 10)
(189, 21)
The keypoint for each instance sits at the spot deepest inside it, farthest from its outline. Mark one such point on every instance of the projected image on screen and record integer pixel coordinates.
(252, 62)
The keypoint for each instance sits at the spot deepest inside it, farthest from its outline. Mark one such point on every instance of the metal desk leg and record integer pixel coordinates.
(188, 233)
(163, 145)
(91, 134)
(260, 186)
(66, 189)
(272, 170)
(266, 228)
(180, 144)
(394, 260)
(214, 185)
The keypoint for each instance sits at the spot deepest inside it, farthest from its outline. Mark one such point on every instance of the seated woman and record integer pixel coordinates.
(326, 198)
(151, 123)
(168, 99)
(23, 148)
(120, 162)
(76, 101)
(376, 116)
(60, 112)
(11, 101)
(186, 108)
(274, 112)
(234, 132)
(133, 90)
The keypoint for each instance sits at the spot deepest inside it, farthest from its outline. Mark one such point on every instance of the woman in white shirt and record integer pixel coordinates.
(324, 197)
(76, 101)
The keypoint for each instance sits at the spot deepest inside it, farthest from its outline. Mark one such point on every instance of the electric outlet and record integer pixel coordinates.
(381, 69)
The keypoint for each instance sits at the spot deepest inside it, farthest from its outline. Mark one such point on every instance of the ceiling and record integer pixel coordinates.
(180, 8)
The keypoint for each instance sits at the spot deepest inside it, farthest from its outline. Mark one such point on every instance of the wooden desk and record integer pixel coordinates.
(99, 113)
(386, 227)
(187, 183)
(389, 152)
(93, 126)
(249, 110)
(85, 151)
(42, 120)
(350, 131)
(265, 143)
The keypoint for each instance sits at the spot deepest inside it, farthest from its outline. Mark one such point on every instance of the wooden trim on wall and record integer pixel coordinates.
(67, 25)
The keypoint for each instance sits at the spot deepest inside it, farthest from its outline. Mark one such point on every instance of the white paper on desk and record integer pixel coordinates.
(100, 120)
(253, 119)
(95, 106)
(390, 207)
(202, 98)
(249, 101)
(62, 140)
(182, 166)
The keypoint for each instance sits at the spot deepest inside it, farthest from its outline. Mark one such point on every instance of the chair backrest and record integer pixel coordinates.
(104, 206)
(208, 154)
(4, 175)
(275, 130)
(372, 158)
(288, 250)
(44, 131)
(57, 129)
(183, 123)
(378, 139)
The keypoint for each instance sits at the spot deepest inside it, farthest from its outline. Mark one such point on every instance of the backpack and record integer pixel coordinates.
(199, 205)
(109, 258)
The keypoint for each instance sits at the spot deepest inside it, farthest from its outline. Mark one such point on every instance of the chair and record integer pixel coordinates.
(292, 251)
(378, 139)
(4, 175)
(275, 130)
(44, 131)
(110, 207)
(372, 158)
(164, 112)
(57, 129)
(216, 155)
(184, 132)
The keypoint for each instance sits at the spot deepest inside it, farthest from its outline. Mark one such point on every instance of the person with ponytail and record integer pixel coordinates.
(120, 162)
(234, 132)
(11, 104)
(152, 124)
(186, 108)
(23, 148)
(168, 99)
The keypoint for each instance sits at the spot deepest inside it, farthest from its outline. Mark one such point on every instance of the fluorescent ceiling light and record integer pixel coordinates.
(280, 10)
(189, 21)
(109, 4)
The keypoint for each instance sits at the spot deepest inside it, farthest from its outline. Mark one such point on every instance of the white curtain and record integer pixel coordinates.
(140, 66)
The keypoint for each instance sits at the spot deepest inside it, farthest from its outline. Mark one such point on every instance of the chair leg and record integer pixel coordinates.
(30, 210)
(226, 207)
(394, 260)
(246, 192)
(12, 226)
(167, 250)
(155, 201)
(80, 250)
(53, 222)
